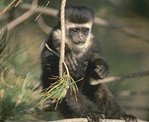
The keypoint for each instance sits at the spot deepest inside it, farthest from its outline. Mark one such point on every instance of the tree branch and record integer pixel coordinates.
(122, 77)
(98, 21)
(85, 120)
(13, 3)
(53, 12)
(43, 26)
(21, 18)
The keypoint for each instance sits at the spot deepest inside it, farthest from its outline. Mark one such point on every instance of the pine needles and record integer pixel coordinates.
(16, 92)
(58, 90)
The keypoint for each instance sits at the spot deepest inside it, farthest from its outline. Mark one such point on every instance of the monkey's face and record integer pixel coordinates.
(78, 33)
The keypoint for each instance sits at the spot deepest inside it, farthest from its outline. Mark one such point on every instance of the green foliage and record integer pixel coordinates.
(14, 97)
(2, 4)
(58, 90)
(17, 95)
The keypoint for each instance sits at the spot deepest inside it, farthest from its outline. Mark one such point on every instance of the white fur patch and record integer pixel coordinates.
(76, 48)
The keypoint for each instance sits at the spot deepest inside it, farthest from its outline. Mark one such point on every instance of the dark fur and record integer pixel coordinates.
(81, 14)
(86, 63)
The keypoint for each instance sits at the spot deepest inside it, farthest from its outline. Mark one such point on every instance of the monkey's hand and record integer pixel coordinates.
(101, 70)
(129, 118)
(71, 62)
(94, 117)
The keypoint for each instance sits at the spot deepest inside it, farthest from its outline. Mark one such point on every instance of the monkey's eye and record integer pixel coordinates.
(85, 31)
(73, 30)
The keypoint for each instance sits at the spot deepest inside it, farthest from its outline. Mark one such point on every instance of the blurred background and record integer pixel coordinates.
(122, 28)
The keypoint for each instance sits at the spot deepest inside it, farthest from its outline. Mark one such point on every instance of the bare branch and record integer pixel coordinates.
(12, 4)
(85, 120)
(123, 77)
(55, 53)
(43, 10)
(53, 12)
(43, 26)
(21, 18)
(125, 93)
(71, 120)
(98, 21)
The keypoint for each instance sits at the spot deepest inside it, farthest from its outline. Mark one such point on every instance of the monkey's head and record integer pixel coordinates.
(79, 20)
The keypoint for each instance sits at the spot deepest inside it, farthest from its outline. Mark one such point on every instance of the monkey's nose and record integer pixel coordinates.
(81, 40)
(81, 37)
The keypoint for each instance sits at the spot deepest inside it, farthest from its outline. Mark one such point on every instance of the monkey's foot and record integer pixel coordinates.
(95, 117)
(129, 118)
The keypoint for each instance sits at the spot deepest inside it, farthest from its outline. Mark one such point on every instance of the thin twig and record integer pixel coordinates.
(99, 21)
(55, 53)
(19, 1)
(112, 78)
(48, 11)
(43, 26)
(12, 4)
(41, 12)
(62, 46)
(21, 18)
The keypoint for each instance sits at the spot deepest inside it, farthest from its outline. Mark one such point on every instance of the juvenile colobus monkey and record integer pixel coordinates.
(85, 62)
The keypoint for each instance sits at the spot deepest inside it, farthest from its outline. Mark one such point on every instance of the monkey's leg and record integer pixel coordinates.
(82, 107)
(108, 104)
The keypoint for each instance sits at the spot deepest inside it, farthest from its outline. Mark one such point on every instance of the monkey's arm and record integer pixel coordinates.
(97, 67)
(49, 66)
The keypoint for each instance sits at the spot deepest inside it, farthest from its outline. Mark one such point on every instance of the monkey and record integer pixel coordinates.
(85, 63)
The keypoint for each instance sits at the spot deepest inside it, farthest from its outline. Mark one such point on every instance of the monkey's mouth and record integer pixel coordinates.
(79, 43)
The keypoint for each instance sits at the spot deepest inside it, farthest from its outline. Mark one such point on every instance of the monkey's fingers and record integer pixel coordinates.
(70, 59)
(74, 59)
(101, 71)
(71, 63)
(129, 118)
(75, 62)
(95, 117)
